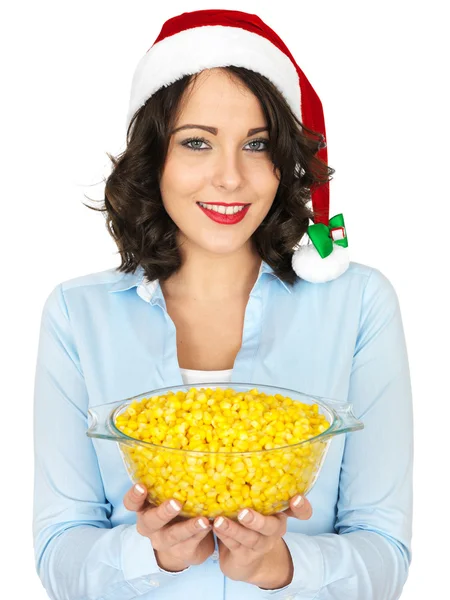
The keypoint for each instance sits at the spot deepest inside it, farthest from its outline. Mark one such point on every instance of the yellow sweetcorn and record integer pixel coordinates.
(218, 451)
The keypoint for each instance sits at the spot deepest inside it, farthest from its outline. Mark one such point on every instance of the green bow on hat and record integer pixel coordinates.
(320, 235)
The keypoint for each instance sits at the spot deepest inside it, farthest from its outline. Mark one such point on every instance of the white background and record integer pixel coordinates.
(381, 73)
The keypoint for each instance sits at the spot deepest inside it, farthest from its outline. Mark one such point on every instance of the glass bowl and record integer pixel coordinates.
(211, 483)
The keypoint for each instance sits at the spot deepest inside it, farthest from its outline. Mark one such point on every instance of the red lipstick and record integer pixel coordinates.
(226, 219)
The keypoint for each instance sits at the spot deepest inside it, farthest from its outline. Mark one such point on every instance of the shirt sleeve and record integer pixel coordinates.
(78, 554)
(370, 555)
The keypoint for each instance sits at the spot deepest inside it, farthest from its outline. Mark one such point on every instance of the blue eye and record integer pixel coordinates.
(199, 139)
(262, 141)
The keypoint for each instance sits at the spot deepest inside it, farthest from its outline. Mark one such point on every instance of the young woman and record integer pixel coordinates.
(204, 295)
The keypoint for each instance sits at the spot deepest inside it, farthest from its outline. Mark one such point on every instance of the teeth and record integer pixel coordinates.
(224, 210)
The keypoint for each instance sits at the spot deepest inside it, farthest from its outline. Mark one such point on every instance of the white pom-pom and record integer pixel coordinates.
(309, 265)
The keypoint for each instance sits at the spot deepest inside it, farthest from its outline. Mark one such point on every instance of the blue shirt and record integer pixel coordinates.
(107, 336)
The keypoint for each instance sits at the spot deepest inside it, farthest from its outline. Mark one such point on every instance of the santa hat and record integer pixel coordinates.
(204, 39)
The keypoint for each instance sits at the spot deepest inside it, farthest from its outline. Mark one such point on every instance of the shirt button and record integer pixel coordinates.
(215, 555)
(153, 583)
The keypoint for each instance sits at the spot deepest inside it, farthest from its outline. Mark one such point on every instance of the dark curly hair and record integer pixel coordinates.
(135, 215)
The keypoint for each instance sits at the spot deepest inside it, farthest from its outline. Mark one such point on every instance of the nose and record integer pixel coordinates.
(228, 171)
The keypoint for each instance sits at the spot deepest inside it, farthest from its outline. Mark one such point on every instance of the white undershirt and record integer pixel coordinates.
(193, 376)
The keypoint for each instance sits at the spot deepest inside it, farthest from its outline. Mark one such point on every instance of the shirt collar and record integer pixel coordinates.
(150, 291)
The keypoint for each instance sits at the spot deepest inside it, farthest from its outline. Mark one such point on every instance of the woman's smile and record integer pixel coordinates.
(224, 214)
(220, 207)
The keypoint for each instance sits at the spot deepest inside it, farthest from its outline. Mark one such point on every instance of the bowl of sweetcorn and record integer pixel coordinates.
(224, 447)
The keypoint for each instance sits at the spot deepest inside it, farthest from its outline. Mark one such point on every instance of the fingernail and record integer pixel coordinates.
(174, 506)
(299, 501)
(220, 523)
(139, 489)
(245, 516)
(201, 524)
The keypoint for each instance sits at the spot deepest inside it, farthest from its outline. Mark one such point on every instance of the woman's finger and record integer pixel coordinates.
(198, 548)
(265, 525)
(238, 533)
(302, 511)
(198, 527)
(229, 542)
(135, 498)
(193, 541)
(153, 519)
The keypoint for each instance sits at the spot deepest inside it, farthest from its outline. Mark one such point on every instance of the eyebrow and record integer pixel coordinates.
(214, 130)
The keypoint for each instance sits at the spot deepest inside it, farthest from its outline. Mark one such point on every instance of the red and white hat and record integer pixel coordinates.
(204, 39)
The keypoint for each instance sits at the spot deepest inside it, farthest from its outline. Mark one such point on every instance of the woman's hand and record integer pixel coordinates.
(253, 550)
(177, 542)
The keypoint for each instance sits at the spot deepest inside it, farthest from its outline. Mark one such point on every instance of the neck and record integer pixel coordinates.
(212, 277)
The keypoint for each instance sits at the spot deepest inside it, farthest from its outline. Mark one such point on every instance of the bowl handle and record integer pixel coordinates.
(345, 419)
(99, 421)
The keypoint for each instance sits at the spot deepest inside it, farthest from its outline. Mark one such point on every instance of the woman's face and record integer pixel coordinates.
(229, 167)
